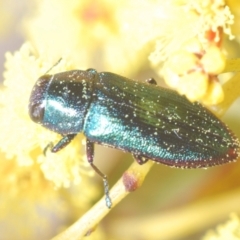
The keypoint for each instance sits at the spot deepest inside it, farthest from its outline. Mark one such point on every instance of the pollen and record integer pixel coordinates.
(213, 62)
(194, 74)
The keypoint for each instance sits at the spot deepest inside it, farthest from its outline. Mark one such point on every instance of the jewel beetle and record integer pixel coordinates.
(150, 122)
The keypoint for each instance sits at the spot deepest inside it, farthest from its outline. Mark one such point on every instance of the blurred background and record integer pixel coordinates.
(12, 37)
(172, 204)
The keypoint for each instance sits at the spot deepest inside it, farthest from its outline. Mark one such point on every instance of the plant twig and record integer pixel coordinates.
(132, 179)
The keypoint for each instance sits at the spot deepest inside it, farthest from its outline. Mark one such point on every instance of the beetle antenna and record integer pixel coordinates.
(54, 65)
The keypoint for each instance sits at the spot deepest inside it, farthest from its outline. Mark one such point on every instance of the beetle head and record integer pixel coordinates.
(59, 102)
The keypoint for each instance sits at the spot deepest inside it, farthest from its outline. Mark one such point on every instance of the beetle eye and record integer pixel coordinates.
(36, 112)
(38, 98)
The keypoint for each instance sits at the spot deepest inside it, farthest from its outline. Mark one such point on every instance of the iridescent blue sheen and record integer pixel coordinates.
(157, 124)
(146, 120)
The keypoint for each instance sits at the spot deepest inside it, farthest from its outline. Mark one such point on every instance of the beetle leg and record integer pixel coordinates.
(140, 159)
(61, 144)
(151, 81)
(50, 145)
(90, 156)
